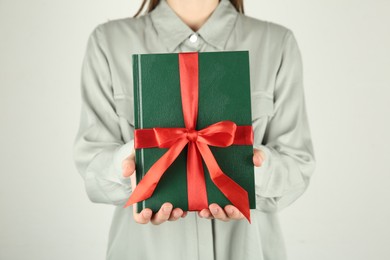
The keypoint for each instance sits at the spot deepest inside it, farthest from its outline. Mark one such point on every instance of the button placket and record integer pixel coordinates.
(193, 43)
(193, 38)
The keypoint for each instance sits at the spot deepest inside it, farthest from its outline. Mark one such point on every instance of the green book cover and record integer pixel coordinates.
(224, 94)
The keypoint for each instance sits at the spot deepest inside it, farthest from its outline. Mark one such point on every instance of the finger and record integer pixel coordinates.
(143, 217)
(163, 214)
(184, 214)
(218, 212)
(258, 157)
(262, 156)
(128, 165)
(233, 212)
(205, 213)
(176, 214)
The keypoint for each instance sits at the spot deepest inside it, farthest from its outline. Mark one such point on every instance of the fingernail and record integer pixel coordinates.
(167, 209)
(214, 210)
(147, 214)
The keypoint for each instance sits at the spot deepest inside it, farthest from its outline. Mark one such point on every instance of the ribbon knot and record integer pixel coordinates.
(192, 135)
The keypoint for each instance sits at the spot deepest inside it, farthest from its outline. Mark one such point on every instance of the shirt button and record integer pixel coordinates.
(193, 38)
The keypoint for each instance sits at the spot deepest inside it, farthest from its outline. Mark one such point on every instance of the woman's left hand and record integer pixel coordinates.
(230, 212)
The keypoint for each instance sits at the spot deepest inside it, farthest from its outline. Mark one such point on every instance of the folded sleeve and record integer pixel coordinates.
(289, 156)
(99, 149)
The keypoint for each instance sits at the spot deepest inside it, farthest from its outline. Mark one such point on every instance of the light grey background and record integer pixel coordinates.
(45, 213)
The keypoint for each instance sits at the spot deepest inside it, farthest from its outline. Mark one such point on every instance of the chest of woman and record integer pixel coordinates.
(125, 37)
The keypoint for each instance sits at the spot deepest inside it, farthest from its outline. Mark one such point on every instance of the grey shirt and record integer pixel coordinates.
(281, 130)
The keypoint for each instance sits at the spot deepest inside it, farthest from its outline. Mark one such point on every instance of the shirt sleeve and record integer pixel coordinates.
(99, 149)
(287, 144)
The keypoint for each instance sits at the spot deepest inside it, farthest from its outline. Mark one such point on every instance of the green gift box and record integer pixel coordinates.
(193, 130)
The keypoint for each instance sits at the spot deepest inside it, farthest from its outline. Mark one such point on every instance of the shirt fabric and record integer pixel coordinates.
(280, 123)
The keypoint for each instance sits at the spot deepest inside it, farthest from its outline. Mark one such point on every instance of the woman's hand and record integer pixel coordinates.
(166, 212)
(230, 212)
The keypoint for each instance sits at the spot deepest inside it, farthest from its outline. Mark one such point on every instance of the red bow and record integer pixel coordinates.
(221, 134)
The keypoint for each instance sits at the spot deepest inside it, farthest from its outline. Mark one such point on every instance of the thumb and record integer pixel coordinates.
(128, 165)
(258, 157)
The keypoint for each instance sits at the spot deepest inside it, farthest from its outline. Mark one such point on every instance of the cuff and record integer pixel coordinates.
(120, 154)
(278, 177)
(264, 176)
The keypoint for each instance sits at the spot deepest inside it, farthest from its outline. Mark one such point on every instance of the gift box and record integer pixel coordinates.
(193, 135)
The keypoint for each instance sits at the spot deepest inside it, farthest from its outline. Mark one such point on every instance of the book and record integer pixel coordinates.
(223, 94)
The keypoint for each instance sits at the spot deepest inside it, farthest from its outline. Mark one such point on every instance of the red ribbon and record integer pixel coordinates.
(221, 134)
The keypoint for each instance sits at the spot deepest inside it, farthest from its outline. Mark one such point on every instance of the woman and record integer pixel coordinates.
(283, 157)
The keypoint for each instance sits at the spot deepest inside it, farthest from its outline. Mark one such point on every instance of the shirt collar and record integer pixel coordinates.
(173, 31)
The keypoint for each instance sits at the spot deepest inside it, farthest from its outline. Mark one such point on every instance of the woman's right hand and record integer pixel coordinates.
(166, 212)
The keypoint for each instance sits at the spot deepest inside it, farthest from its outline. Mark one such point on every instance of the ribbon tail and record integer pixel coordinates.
(197, 194)
(145, 188)
(234, 192)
